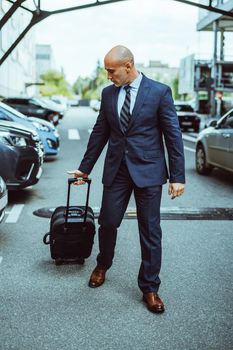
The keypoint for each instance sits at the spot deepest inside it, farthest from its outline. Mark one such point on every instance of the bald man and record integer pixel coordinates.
(135, 114)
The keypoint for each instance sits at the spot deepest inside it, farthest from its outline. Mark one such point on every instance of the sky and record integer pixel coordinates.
(163, 30)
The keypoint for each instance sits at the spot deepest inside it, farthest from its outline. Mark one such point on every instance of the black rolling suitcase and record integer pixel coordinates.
(72, 230)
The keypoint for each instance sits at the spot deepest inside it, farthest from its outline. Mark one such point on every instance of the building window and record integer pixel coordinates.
(40, 56)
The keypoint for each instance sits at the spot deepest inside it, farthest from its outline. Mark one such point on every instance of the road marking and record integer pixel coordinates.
(189, 149)
(14, 213)
(188, 138)
(73, 134)
(1, 258)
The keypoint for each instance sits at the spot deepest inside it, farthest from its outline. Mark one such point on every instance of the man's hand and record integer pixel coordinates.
(78, 173)
(175, 190)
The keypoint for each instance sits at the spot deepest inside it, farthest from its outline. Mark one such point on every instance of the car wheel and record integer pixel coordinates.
(202, 167)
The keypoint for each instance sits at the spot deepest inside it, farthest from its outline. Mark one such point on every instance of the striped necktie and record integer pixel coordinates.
(125, 110)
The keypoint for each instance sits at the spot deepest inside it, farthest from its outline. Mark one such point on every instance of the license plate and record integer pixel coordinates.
(186, 123)
(39, 173)
(3, 202)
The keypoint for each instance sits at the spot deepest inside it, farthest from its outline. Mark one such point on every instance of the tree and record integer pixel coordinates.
(174, 86)
(55, 84)
(91, 88)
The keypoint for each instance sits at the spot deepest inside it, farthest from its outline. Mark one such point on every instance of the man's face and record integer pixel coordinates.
(117, 72)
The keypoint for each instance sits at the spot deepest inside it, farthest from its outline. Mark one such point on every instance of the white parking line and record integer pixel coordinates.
(189, 149)
(14, 213)
(188, 138)
(73, 134)
(1, 258)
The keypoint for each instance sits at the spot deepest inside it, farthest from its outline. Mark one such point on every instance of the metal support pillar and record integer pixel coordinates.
(37, 17)
(222, 39)
(10, 12)
(214, 71)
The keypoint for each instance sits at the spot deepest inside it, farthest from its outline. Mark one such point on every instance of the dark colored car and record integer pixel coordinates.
(188, 119)
(33, 107)
(3, 198)
(46, 131)
(21, 155)
(214, 146)
(54, 105)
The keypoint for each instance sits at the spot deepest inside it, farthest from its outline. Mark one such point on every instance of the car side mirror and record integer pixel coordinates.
(213, 123)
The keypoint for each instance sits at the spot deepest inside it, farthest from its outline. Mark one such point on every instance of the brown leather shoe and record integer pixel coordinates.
(97, 277)
(153, 301)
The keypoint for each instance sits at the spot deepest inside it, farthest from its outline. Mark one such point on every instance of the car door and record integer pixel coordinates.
(20, 104)
(220, 143)
(227, 139)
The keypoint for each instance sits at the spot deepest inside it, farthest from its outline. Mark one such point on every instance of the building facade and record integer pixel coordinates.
(158, 71)
(44, 59)
(212, 79)
(18, 71)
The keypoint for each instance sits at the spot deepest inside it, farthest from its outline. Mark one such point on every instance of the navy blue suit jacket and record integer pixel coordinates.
(153, 117)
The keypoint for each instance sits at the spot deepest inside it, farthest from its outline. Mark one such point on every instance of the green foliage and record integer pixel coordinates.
(91, 88)
(55, 84)
(174, 87)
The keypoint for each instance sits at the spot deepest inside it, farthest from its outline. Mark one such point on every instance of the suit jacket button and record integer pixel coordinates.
(126, 151)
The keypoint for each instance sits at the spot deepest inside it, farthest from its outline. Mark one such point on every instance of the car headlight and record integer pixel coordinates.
(18, 141)
(41, 126)
(13, 140)
(2, 185)
(56, 133)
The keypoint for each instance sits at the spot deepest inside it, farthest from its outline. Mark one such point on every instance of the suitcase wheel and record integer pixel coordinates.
(58, 262)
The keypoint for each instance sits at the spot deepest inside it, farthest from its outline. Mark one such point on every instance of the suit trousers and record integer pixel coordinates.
(114, 204)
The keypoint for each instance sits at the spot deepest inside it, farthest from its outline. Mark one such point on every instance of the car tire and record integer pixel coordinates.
(202, 167)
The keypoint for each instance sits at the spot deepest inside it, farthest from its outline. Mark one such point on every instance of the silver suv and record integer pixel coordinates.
(214, 146)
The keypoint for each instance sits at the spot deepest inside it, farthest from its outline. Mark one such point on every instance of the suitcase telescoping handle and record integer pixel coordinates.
(70, 182)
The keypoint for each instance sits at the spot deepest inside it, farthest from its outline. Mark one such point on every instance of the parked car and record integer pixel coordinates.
(95, 105)
(3, 198)
(53, 105)
(46, 131)
(21, 155)
(214, 146)
(188, 119)
(33, 107)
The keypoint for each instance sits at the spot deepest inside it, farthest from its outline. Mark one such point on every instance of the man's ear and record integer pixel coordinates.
(128, 66)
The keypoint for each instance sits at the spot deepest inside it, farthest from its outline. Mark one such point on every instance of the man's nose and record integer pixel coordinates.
(109, 76)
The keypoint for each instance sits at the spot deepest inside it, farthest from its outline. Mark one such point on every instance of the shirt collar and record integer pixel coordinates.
(136, 82)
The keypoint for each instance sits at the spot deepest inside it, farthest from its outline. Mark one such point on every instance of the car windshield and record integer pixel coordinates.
(183, 108)
(11, 111)
(38, 102)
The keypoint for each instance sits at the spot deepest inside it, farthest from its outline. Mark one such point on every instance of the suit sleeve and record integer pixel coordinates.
(98, 139)
(173, 137)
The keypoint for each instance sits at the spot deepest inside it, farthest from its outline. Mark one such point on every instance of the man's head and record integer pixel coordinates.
(119, 64)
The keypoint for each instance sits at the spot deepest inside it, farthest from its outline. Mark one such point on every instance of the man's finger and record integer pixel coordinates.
(79, 182)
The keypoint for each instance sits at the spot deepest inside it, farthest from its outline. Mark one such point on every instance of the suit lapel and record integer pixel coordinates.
(115, 94)
(141, 95)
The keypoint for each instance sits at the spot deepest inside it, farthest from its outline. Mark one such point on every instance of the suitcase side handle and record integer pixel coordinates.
(45, 238)
(71, 181)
